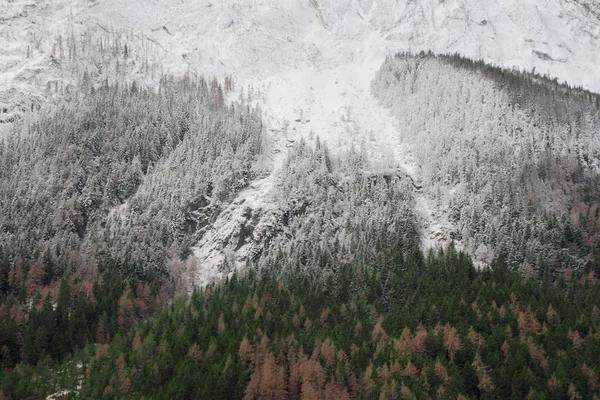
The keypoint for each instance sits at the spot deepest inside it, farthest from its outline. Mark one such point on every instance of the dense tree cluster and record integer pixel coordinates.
(54, 323)
(512, 157)
(102, 196)
(330, 202)
(118, 174)
(409, 325)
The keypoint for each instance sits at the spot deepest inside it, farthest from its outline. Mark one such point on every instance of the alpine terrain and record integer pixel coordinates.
(299, 199)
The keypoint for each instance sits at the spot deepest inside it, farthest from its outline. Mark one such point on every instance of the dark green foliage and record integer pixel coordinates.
(486, 334)
(347, 308)
(53, 328)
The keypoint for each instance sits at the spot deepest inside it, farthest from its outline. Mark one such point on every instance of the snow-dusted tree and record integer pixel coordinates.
(505, 153)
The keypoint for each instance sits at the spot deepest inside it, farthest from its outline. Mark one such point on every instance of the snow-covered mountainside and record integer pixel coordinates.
(507, 154)
(269, 38)
(307, 63)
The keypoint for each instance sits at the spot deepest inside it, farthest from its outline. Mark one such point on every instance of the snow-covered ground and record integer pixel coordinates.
(308, 64)
(265, 38)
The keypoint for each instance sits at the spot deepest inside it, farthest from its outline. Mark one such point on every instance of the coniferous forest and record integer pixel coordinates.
(405, 325)
(105, 192)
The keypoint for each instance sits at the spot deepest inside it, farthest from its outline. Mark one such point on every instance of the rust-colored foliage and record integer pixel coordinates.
(514, 304)
(527, 323)
(502, 311)
(485, 380)
(410, 370)
(296, 321)
(441, 372)
(246, 352)
(383, 373)
(551, 316)
(307, 325)
(451, 341)
(136, 343)
(412, 344)
(476, 309)
(221, 324)
(566, 273)
(267, 381)
(367, 382)
(537, 352)
(126, 385)
(475, 337)
(195, 353)
(405, 393)
(589, 279)
(572, 393)
(101, 350)
(327, 350)
(576, 339)
(505, 349)
(143, 300)
(553, 382)
(590, 376)
(15, 276)
(120, 369)
(335, 392)
(308, 378)
(34, 277)
(294, 379)
(379, 336)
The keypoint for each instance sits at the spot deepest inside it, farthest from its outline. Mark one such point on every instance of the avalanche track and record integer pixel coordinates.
(308, 63)
(336, 105)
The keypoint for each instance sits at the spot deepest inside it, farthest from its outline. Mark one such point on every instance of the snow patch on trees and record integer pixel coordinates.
(333, 107)
(308, 63)
(504, 154)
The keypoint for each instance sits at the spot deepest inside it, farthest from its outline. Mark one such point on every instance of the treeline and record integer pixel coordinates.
(511, 157)
(526, 87)
(407, 325)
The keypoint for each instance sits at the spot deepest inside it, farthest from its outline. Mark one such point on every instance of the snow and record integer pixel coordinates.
(259, 39)
(61, 394)
(216, 245)
(308, 64)
(336, 105)
(4, 130)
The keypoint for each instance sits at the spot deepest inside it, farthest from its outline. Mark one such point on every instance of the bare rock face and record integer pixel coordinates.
(200, 214)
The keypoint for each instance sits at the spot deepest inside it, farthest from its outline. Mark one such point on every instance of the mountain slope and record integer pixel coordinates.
(512, 157)
(308, 64)
(267, 37)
